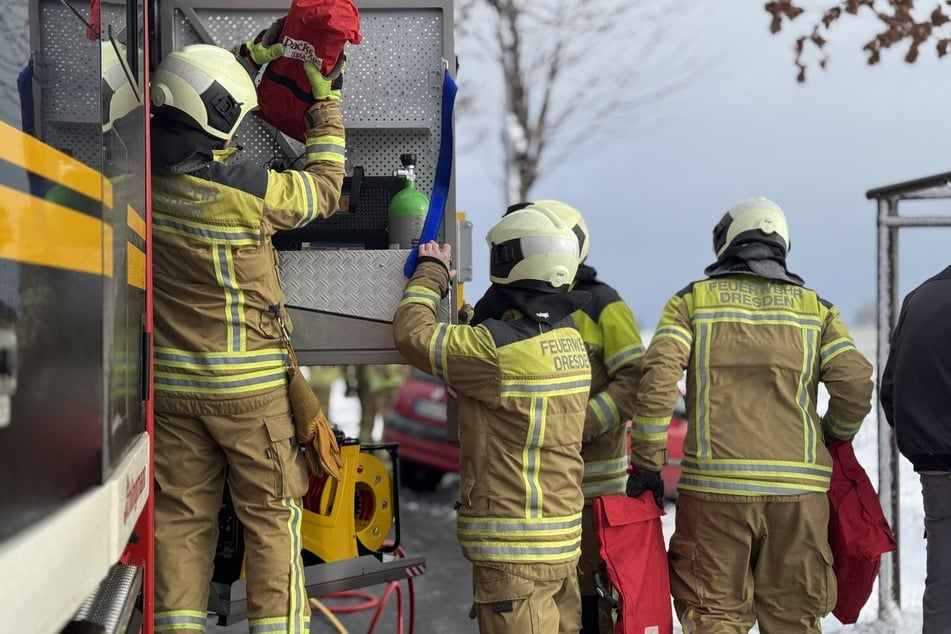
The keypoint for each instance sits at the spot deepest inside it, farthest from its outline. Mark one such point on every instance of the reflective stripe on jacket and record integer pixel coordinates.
(616, 351)
(215, 270)
(522, 388)
(755, 351)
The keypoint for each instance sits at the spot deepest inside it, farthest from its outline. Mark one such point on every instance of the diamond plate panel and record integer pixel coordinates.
(365, 284)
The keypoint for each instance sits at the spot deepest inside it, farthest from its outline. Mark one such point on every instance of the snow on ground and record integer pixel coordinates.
(345, 411)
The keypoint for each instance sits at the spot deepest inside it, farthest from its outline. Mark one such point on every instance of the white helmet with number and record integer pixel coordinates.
(754, 220)
(534, 248)
(209, 85)
(572, 217)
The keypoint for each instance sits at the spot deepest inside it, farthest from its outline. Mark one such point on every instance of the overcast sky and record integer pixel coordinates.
(651, 195)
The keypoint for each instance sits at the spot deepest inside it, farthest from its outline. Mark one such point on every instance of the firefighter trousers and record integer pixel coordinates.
(766, 561)
(257, 451)
(506, 603)
(936, 608)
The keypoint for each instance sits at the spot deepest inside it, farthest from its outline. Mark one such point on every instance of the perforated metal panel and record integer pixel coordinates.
(67, 77)
(392, 86)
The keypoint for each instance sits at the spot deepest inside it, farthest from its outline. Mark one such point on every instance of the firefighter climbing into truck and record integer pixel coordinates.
(76, 297)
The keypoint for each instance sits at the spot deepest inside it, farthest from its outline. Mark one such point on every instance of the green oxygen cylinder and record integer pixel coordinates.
(407, 210)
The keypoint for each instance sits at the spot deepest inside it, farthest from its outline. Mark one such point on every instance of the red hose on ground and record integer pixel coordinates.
(371, 601)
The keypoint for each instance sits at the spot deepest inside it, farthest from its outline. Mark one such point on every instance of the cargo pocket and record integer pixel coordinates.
(682, 556)
(827, 591)
(501, 596)
(290, 468)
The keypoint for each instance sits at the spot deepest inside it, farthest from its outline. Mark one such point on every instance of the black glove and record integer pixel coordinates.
(641, 480)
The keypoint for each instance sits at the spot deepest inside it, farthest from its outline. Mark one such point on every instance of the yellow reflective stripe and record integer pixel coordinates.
(298, 593)
(623, 357)
(606, 410)
(180, 620)
(509, 539)
(744, 488)
(219, 385)
(531, 457)
(418, 294)
(773, 468)
(701, 428)
(835, 348)
(225, 272)
(649, 428)
(525, 387)
(609, 466)
(205, 233)
(520, 527)
(35, 156)
(326, 148)
(842, 429)
(553, 551)
(614, 486)
(306, 184)
(809, 437)
(605, 477)
(758, 317)
(260, 359)
(676, 333)
(36, 231)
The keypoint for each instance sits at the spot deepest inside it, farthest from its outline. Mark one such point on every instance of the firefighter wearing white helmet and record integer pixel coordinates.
(220, 379)
(522, 376)
(751, 538)
(616, 350)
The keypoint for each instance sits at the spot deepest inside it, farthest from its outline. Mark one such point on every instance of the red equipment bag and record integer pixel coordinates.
(858, 532)
(314, 30)
(631, 541)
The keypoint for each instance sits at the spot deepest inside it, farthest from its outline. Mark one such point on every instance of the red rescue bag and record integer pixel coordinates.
(858, 532)
(631, 539)
(314, 30)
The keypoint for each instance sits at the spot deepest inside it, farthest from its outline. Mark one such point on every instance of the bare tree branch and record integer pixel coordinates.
(900, 23)
(569, 72)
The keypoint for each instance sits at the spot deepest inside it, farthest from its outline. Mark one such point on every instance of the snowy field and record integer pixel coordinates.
(345, 411)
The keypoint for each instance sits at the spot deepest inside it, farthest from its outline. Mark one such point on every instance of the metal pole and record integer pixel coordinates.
(889, 587)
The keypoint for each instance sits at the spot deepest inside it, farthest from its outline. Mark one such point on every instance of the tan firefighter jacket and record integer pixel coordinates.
(215, 270)
(616, 351)
(522, 389)
(755, 351)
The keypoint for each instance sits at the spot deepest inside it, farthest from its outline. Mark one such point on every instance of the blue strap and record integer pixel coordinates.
(437, 202)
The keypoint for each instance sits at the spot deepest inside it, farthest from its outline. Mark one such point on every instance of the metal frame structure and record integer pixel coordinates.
(889, 221)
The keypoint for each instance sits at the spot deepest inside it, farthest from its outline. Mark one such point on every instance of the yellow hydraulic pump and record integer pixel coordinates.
(351, 516)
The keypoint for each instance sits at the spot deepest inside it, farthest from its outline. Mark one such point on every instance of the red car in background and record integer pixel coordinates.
(416, 421)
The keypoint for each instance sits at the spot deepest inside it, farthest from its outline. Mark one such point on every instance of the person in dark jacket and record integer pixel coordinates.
(916, 396)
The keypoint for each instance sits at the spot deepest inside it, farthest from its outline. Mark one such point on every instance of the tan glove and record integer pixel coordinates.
(313, 429)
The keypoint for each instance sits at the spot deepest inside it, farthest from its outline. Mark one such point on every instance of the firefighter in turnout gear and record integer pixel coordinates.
(221, 402)
(750, 543)
(522, 376)
(616, 351)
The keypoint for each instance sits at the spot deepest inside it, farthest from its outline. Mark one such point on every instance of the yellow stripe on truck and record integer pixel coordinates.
(35, 156)
(36, 231)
